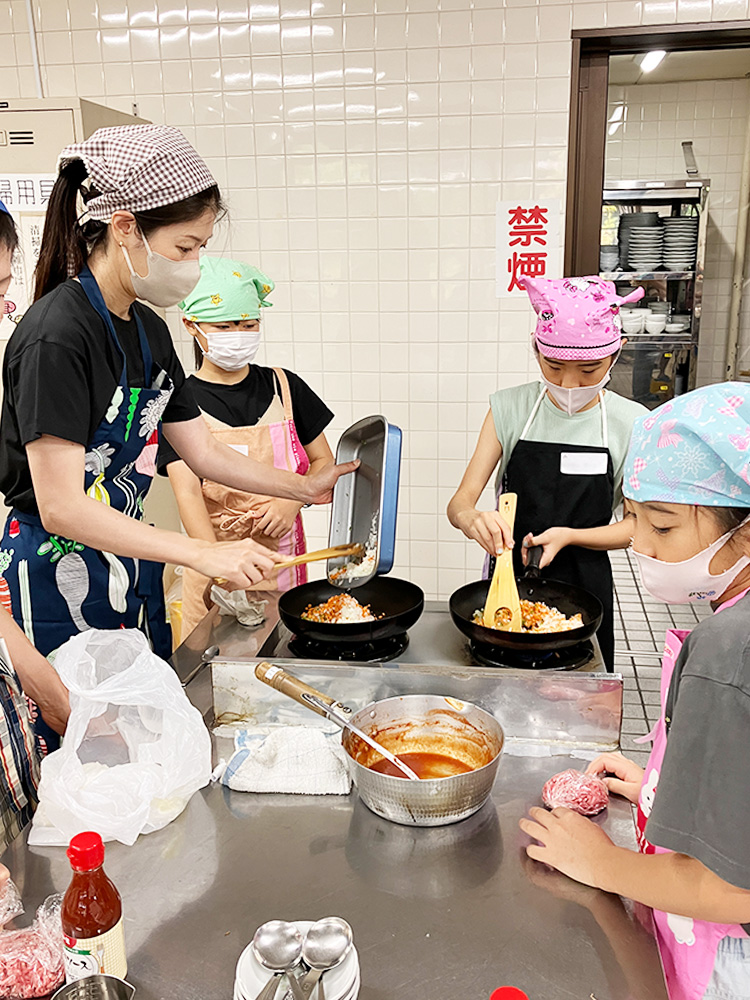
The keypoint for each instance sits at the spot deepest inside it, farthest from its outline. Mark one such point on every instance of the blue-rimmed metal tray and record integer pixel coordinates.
(365, 503)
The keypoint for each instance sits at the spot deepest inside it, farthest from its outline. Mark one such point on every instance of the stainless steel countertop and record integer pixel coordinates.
(438, 914)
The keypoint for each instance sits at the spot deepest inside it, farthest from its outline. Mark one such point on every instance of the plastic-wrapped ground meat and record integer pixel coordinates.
(585, 793)
(31, 959)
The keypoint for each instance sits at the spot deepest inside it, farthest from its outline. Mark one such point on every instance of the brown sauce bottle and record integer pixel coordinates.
(92, 915)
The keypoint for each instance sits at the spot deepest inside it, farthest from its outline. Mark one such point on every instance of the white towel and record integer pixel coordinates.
(299, 760)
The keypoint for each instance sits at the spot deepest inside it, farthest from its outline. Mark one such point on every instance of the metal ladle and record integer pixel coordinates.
(293, 687)
(327, 944)
(277, 945)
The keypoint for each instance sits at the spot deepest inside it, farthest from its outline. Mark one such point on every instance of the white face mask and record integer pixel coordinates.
(573, 400)
(689, 581)
(167, 282)
(231, 349)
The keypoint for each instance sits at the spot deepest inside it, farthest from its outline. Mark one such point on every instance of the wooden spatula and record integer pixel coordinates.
(503, 592)
(354, 549)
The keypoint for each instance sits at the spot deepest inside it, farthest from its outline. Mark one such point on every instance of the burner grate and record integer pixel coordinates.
(378, 651)
(568, 658)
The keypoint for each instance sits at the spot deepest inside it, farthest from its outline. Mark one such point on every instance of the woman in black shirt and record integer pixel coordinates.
(89, 376)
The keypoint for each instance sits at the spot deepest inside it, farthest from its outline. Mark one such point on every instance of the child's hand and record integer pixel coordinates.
(488, 528)
(552, 541)
(628, 775)
(570, 843)
(275, 517)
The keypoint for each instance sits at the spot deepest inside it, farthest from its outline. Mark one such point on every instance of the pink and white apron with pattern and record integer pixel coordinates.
(687, 947)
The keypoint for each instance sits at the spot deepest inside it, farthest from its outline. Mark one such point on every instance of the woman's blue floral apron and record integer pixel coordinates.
(56, 586)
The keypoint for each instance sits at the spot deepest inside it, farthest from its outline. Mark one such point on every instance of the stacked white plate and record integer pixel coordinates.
(645, 248)
(341, 983)
(680, 242)
(626, 224)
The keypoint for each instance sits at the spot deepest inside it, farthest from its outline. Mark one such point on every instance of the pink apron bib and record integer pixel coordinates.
(687, 947)
(275, 442)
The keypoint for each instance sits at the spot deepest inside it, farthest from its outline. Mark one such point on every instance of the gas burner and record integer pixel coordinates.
(568, 658)
(361, 652)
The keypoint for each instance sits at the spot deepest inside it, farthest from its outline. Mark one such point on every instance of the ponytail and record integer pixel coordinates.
(66, 245)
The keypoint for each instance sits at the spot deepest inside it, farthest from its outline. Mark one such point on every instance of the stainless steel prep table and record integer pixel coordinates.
(438, 914)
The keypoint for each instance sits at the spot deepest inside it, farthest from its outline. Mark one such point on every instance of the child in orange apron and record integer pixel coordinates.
(687, 489)
(267, 413)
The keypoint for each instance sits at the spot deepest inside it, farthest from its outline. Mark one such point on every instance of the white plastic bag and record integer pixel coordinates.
(135, 749)
(240, 605)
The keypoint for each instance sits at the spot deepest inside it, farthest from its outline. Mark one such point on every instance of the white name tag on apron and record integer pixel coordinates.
(583, 463)
(241, 448)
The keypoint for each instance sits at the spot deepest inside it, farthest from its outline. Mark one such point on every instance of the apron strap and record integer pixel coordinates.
(286, 395)
(605, 427)
(534, 411)
(674, 685)
(94, 295)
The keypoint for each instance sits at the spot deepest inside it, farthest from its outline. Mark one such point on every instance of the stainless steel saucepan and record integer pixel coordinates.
(421, 724)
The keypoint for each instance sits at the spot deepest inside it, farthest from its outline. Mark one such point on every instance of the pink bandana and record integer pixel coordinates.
(579, 318)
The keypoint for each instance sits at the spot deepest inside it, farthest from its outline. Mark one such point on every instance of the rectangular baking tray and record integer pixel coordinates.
(365, 503)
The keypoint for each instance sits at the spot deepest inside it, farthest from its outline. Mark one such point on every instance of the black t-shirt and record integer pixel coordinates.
(243, 404)
(60, 371)
(702, 802)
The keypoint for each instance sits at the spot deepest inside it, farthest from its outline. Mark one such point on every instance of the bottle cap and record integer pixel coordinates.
(86, 852)
(508, 993)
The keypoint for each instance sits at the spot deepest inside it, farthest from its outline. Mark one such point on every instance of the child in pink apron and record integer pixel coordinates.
(267, 413)
(687, 489)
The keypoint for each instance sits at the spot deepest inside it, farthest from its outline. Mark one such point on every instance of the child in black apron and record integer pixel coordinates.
(561, 445)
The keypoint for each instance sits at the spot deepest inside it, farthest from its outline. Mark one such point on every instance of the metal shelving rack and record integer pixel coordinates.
(653, 368)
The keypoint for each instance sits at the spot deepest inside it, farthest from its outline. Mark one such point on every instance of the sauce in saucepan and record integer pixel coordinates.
(424, 765)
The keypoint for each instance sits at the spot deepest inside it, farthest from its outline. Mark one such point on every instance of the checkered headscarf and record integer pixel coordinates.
(137, 168)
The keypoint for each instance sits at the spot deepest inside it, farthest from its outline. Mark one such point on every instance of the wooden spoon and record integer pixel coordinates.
(503, 592)
(354, 549)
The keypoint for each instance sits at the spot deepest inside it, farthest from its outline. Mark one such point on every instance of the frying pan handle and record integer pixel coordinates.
(533, 558)
(293, 688)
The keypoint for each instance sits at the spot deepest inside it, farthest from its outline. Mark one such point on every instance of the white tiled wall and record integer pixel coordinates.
(362, 145)
(656, 119)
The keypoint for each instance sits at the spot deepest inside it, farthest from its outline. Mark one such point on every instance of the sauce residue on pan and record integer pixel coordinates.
(424, 765)
(442, 743)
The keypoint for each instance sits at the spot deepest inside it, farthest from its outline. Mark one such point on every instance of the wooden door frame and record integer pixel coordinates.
(587, 134)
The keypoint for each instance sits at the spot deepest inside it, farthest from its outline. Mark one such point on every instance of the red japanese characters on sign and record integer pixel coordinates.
(527, 243)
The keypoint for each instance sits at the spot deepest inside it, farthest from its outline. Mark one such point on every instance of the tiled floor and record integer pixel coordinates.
(640, 626)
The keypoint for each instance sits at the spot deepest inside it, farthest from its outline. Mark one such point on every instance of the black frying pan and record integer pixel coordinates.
(565, 597)
(400, 602)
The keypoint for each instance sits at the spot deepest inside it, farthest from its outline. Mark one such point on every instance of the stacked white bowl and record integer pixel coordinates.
(341, 983)
(680, 242)
(609, 257)
(628, 222)
(633, 321)
(645, 248)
